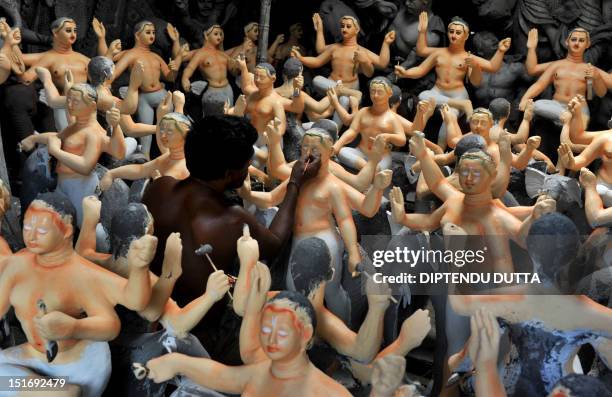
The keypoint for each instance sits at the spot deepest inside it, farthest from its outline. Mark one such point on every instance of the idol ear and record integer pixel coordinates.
(308, 334)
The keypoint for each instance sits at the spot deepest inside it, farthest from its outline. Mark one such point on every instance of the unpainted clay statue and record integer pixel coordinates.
(288, 323)
(371, 122)
(321, 200)
(453, 66)
(552, 242)
(213, 65)
(65, 303)
(58, 60)
(570, 76)
(472, 207)
(172, 129)
(152, 91)
(78, 147)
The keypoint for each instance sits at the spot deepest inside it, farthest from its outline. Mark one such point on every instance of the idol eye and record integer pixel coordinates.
(266, 330)
(476, 173)
(42, 230)
(27, 228)
(283, 333)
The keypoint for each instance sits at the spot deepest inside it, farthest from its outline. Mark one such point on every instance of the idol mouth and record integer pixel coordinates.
(273, 349)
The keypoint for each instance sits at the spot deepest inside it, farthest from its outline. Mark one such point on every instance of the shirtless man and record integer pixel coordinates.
(213, 65)
(371, 122)
(51, 287)
(471, 208)
(152, 91)
(322, 200)
(217, 153)
(347, 58)
(79, 146)
(288, 324)
(173, 128)
(58, 60)
(570, 77)
(452, 65)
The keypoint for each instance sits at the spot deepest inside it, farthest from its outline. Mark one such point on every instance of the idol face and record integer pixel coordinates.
(44, 231)
(282, 334)
(473, 176)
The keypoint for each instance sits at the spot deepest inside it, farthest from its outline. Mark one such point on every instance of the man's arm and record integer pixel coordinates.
(169, 71)
(86, 244)
(277, 165)
(536, 89)
(314, 62)
(493, 65)
(422, 48)
(431, 171)
(203, 371)
(520, 161)
(418, 71)
(349, 135)
(84, 164)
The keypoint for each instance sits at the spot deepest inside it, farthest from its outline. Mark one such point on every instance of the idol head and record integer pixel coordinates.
(476, 172)
(49, 223)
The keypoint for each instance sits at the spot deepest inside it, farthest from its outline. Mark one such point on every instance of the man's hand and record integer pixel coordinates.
(532, 39)
(423, 22)
(279, 39)
(261, 280)
(483, 346)
(173, 65)
(91, 207)
(161, 369)
(178, 99)
(534, 142)
(387, 375)
(417, 145)
(98, 28)
(504, 45)
(141, 252)
(114, 48)
(247, 247)
(217, 285)
(43, 74)
(544, 205)
(26, 145)
(382, 179)
(55, 326)
(172, 265)
(566, 157)
(173, 33)
(68, 80)
(389, 37)
(415, 328)
(332, 95)
(165, 106)
(587, 178)
(112, 116)
(398, 210)
(307, 167)
(399, 71)
(317, 22)
(136, 74)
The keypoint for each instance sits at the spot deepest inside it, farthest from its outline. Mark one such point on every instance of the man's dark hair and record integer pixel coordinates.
(554, 240)
(292, 68)
(269, 68)
(301, 302)
(310, 265)
(499, 108)
(60, 203)
(584, 386)
(467, 143)
(217, 144)
(126, 226)
(396, 95)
